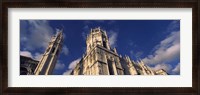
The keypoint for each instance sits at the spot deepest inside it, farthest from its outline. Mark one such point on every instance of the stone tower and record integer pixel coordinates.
(99, 58)
(50, 56)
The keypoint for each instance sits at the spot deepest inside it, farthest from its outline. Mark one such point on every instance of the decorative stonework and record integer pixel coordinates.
(27, 65)
(101, 59)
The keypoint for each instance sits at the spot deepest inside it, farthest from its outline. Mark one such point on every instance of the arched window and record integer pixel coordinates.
(48, 50)
(57, 52)
(110, 67)
(53, 50)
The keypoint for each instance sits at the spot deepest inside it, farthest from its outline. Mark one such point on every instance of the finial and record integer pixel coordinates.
(91, 30)
(115, 50)
(133, 61)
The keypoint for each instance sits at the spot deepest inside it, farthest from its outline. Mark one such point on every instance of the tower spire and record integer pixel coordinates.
(50, 56)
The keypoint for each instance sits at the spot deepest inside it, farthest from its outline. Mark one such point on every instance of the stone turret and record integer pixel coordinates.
(97, 36)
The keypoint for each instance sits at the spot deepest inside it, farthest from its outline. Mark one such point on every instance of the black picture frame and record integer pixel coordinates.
(194, 4)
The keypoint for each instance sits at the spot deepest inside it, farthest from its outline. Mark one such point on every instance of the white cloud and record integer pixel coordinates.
(38, 56)
(65, 50)
(39, 34)
(59, 66)
(67, 72)
(35, 56)
(138, 54)
(26, 53)
(71, 66)
(112, 36)
(166, 51)
(166, 67)
(176, 70)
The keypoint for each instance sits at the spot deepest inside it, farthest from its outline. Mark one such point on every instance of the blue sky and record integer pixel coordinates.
(156, 42)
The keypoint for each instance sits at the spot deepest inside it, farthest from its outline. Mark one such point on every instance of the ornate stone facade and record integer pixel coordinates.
(49, 58)
(27, 65)
(101, 59)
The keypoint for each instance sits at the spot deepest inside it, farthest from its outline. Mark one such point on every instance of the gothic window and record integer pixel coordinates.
(116, 63)
(48, 49)
(104, 44)
(58, 39)
(53, 50)
(104, 39)
(57, 52)
(100, 68)
(110, 68)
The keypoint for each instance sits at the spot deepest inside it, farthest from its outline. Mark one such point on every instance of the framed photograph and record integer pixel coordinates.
(100, 47)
